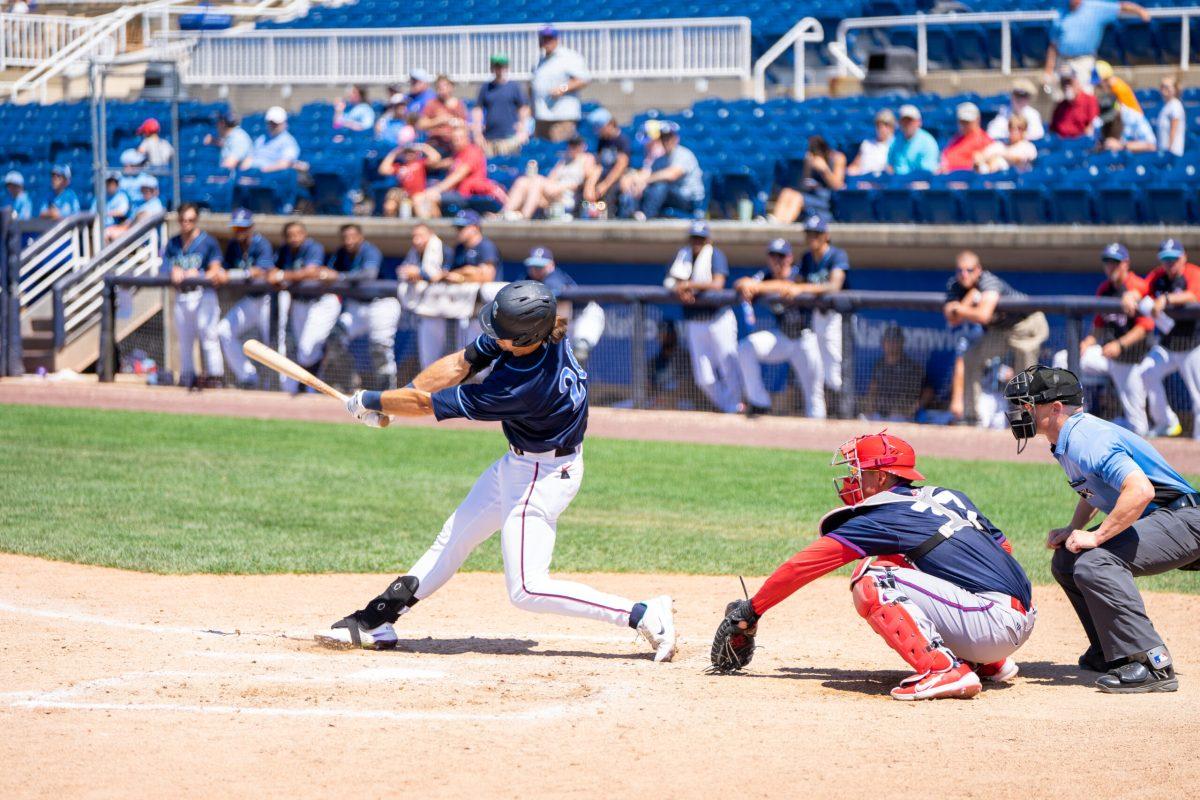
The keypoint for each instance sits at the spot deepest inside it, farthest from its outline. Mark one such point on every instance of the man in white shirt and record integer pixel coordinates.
(1020, 102)
(873, 153)
(555, 84)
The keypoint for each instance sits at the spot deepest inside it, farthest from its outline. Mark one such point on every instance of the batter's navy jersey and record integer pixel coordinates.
(308, 254)
(197, 254)
(1098, 456)
(903, 518)
(363, 264)
(541, 398)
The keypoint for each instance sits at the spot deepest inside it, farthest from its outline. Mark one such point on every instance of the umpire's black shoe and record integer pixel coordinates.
(1138, 678)
(1093, 660)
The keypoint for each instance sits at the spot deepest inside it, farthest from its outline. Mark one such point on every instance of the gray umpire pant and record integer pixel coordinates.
(1099, 582)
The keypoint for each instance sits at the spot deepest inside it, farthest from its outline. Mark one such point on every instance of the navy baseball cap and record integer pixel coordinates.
(816, 222)
(466, 217)
(779, 247)
(1115, 252)
(241, 218)
(539, 257)
(1170, 250)
(699, 230)
(61, 169)
(15, 178)
(548, 32)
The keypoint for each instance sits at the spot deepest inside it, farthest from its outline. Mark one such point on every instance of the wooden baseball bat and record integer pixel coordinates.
(264, 355)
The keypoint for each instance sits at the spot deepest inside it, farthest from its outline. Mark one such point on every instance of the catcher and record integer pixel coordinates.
(945, 591)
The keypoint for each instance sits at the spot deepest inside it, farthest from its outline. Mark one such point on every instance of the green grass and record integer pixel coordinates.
(172, 493)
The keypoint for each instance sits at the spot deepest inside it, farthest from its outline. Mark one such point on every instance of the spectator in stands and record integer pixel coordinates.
(1122, 128)
(633, 184)
(132, 163)
(234, 142)
(117, 204)
(420, 91)
(914, 150)
(1119, 342)
(873, 153)
(894, 393)
(613, 152)
(158, 151)
(1076, 34)
(1020, 104)
(278, 149)
(354, 112)
(466, 180)
(1172, 121)
(442, 115)
(587, 326)
(557, 79)
(144, 206)
(985, 332)
(193, 253)
(822, 173)
(824, 269)
(20, 206)
(406, 164)
(301, 258)
(359, 261)
(675, 180)
(500, 119)
(562, 186)
(1105, 81)
(435, 309)
(476, 258)
(393, 126)
(971, 140)
(63, 202)
(1016, 152)
(248, 252)
(711, 333)
(1074, 114)
(1173, 283)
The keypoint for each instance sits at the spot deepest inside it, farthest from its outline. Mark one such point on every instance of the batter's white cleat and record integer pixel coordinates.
(958, 681)
(347, 634)
(658, 626)
(998, 671)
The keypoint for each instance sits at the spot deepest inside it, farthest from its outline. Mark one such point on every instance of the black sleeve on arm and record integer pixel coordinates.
(480, 354)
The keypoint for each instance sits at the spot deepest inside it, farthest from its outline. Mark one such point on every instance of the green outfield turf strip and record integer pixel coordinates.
(173, 493)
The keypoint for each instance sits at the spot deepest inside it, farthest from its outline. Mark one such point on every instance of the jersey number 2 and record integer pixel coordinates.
(570, 380)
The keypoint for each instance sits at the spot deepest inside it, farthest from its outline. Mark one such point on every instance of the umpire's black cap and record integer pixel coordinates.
(1041, 384)
(523, 312)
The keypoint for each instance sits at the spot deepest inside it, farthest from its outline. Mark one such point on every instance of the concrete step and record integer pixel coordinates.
(42, 325)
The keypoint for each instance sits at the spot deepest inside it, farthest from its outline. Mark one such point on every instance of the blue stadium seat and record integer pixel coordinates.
(1118, 202)
(854, 205)
(938, 206)
(1168, 204)
(1139, 42)
(895, 204)
(1072, 204)
(1028, 204)
(983, 206)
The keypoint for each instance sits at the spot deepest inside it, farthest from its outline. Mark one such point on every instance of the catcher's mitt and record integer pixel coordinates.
(733, 646)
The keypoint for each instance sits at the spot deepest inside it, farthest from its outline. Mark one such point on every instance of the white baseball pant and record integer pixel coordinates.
(378, 321)
(250, 315)
(522, 497)
(431, 337)
(827, 325)
(982, 628)
(197, 314)
(1157, 366)
(311, 321)
(713, 347)
(1127, 379)
(771, 347)
(587, 325)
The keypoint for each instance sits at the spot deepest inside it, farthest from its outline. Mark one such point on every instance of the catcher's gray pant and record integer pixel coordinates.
(712, 345)
(197, 314)
(250, 316)
(311, 322)
(1128, 379)
(1099, 582)
(803, 353)
(1160, 363)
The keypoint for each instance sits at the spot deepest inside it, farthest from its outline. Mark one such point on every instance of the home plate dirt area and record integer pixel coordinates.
(120, 684)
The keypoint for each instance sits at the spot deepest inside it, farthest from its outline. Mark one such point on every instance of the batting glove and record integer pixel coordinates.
(363, 414)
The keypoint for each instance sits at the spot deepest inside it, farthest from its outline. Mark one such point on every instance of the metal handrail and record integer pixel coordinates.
(806, 31)
(64, 248)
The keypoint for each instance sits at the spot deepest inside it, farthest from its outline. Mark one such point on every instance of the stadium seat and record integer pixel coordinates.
(938, 206)
(1072, 204)
(854, 205)
(1028, 205)
(1168, 204)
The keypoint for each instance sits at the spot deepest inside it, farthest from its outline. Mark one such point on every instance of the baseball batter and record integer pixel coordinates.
(248, 251)
(540, 393)
(193, 253)
(945, 593)
(309, 318)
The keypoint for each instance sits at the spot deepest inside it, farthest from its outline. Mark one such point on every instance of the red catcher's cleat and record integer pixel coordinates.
(958, 681)
(998, 671)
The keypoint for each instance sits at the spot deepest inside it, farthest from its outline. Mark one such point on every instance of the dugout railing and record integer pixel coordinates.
(642, 359)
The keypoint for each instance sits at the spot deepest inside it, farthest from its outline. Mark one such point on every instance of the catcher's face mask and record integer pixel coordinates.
(849, 486)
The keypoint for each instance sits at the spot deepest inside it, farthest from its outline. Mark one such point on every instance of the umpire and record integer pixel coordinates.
(1152, 526)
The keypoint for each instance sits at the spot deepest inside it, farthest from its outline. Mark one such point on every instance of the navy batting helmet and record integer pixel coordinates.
(523, 312)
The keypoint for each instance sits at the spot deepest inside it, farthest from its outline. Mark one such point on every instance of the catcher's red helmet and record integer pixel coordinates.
(878, 451)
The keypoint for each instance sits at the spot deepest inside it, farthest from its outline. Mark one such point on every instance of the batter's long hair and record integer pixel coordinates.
(559, 330)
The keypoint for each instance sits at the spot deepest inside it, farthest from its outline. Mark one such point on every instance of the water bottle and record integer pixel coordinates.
(531, 168)
(406, 209)
(748, 313)
(745, 208)
(556, 210)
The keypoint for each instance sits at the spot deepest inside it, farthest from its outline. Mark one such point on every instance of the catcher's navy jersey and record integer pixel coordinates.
(541, 398)
(905, 517)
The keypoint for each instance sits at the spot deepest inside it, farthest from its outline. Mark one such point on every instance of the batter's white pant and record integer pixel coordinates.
(712, 345)
(1157, 366)
(522, 497)
(197, 314)
(827, 325)
(431, 337)
(982, 628)
(803, 353)
(378, 321)
(311, 321)
(1127, 379)
(250, 316)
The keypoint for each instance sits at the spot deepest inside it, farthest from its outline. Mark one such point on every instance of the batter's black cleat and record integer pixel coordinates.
(1093, 661)
(1138, 678)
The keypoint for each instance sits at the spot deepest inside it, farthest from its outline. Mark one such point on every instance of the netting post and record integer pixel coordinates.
(275, 338)
(4, 299)
(1074, 336)
(637, 354)
(12, 359)
(106, 365)
(848, 399)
